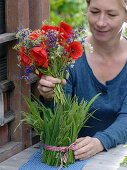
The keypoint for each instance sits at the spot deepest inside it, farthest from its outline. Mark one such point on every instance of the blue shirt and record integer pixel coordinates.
(110, 122)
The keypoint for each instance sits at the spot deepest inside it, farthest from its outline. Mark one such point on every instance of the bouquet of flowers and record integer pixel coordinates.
(49, 51)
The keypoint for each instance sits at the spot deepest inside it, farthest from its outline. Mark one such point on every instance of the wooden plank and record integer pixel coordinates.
(6, 85)
(1, 108)
(9, 149)
(16, 15)
(9, 116)
(107, 160)
(3, 134)
(19, 11)
(7, 37)
(39, 11)
(19, 159)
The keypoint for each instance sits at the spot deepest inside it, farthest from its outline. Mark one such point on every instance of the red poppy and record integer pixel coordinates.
(48, 27)
(40, 56)
(25, 59)
(65, 31)
(66, 28)
(63, 36)
(35, 35)
(75, 49)
(44, 44)
(62, 31)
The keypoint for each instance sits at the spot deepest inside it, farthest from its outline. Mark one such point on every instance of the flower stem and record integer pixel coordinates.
(53, 158)
(59, 97)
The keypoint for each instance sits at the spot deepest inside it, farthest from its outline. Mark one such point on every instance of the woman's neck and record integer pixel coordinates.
(107, 49)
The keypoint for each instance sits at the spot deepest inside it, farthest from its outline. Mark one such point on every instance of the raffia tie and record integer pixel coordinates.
(65, 149)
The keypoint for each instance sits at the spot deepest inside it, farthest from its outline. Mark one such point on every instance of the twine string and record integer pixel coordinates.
(65, 149)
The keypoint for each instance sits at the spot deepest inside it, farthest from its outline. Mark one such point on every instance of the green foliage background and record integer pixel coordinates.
(71, 11)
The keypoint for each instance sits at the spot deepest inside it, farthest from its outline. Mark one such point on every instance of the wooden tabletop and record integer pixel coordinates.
(103, 161)
(107, 160)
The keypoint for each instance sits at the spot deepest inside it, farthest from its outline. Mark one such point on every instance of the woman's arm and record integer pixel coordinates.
(117, 132)
(112, 136)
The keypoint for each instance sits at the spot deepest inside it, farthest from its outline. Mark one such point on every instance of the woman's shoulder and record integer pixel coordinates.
(81, 60)
(79, 65)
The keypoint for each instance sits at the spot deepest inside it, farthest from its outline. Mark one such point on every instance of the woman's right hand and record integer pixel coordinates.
(46, 85)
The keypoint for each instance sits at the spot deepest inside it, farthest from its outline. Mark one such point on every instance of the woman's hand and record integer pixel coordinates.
(46, 85)
(87, 147)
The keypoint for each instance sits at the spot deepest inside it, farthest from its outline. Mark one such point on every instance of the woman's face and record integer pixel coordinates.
(106, 18)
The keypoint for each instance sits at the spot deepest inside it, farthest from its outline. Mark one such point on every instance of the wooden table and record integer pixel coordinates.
(108, 160)
(103, 161)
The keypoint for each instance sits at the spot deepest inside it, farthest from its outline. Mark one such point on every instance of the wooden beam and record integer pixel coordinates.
(4, 135)
(39, 11)
(6, 37)
(8, 117)
(9, 149)
(1, 108)
(21, 13)
(6, 85)
(17, 15)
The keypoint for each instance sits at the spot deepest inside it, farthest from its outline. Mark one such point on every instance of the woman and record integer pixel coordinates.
(105, 71)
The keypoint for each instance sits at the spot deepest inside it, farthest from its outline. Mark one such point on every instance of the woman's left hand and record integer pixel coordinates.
(87, 147)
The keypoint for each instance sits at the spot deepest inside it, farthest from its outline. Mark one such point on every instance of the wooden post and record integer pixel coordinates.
(17, 11)
(39, 11)
(21, 13)
(1, 108)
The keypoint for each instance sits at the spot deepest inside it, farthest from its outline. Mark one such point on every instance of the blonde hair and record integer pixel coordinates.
(124, 3)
